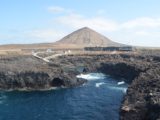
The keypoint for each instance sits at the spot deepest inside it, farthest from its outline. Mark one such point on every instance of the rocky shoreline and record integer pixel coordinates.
(142, 72)
(29, 73)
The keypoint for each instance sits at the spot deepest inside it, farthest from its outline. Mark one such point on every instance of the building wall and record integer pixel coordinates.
(108, 48)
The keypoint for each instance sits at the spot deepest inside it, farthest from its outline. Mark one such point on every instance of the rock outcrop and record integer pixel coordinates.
(29, 73)
(141, 102)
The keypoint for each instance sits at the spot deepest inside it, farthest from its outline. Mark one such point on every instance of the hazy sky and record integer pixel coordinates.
(135, 22)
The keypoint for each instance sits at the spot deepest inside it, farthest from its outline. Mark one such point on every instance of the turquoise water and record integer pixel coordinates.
(99, 99)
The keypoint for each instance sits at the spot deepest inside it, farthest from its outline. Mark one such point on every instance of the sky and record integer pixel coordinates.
(133, 22)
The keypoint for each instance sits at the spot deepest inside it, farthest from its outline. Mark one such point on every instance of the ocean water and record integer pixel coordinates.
(98, 99)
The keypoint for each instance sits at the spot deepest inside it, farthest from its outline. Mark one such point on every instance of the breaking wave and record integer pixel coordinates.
(123, 89)
(92, 76)
(121, 83)
(99, 84)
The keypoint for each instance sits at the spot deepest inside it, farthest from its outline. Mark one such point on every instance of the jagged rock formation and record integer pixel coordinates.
(142, 101)
(141, 72)
(18, 72)
(87, 37)
(29, 73)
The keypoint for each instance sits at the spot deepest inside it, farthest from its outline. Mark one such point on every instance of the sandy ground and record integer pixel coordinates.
(27, 49)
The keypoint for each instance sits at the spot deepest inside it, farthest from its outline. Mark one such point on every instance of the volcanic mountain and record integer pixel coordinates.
(87, 37)
(84, 37)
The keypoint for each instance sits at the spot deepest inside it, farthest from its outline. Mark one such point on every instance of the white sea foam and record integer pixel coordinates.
(123, 89)
(91, 76)
(121, 83)
(99, 84)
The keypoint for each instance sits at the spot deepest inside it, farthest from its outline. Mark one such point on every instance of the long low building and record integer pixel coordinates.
(127, 48)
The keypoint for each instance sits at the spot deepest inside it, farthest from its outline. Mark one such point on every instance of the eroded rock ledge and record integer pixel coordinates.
(29, 73)
(142, 101)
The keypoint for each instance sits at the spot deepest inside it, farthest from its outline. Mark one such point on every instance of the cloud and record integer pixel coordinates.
(139, 31)
(32, 36)
(142, 23)
(47, 35)
(56, 9)
(142, 33)
(136, 26)
(78, 21)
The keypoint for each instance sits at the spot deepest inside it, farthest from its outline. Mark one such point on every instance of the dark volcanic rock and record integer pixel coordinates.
(29, 73)
(143, 97)
(142, 72)
(142, 101)
(120, 70)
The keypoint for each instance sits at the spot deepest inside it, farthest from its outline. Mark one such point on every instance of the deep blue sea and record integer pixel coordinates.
(98, 99)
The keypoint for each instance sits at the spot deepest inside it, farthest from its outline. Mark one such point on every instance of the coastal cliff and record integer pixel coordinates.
(142, 101)
(29, 73)
(141, 72)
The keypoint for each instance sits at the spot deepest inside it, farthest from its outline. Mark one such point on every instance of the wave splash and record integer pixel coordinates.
(120, 86)
(123, 89)
(99, 84)
(92, 76)
(121, 83)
